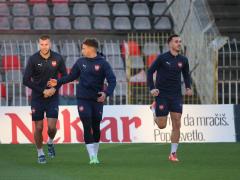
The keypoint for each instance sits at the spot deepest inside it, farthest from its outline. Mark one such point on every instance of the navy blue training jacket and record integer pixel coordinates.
(169, 69)
(91, 73)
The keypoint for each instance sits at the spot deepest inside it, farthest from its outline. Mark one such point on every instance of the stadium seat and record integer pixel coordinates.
(102, 23)
(159, 8)
(151, 48)
(82, 23)
(62, 23)
(151, 59)
(140, 9)
(13, 76)
(18, 1)
(54, 47)
(101, 9)
(97, 0)
(120, 9)
(67, 90)
(20, 9)
(70, 49)
(132, 48)
(70, 61)
(122, 23)
(60, 1)
(41, 23)
(139, 78)
(19, 101)
(2, 90)
(4, 23)
(41, 9)
(9, 48)
(61, 9)
(121, 89)
(21, 23)
(117, 0)
(28, 48)
(111, 48)
(115, 61)
(81, 9)
(120, 75)
(136, 62)
(162, 24)
(11, 62)
(4, 9)
(141, 23)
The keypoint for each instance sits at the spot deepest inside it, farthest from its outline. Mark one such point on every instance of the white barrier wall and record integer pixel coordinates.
(124, 123)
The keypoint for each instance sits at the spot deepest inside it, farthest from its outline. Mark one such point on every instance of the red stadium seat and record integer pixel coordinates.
(2, 90)
(132, 48)
(11, 62)
(151, 59)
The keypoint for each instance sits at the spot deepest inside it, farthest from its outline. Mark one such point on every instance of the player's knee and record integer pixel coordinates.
(52, 129)
(39, 129)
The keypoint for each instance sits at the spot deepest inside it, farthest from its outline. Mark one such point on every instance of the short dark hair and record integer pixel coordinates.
(44, 37)
(171, 37)
(91, 42)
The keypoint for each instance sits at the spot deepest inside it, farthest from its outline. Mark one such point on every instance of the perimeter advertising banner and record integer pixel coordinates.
(124, 124)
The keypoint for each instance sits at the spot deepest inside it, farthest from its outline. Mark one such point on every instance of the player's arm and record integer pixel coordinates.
(27, 78)
(187, 78)
(111, 79)
(63, 71)
(150, 73)
(74, 74)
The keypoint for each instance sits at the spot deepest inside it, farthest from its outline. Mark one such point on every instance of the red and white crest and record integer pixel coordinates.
(33, 110)
(54, 63)
(97, 67)
(180, 64)
(81, 108)
(161, 107)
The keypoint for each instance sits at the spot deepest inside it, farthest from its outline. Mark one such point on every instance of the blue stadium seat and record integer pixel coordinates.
(41, 23)
(136, 62)
(70, 49)
(82, 23)
(61, 9)
(111, 48)
(81, 9)
(21, 23)
(159, 8)
(140, 9)
(41, 9)
(122, 23)
(20, 9)
(120, 75)
(4, 9)
(120, 9)
(13, 76)
(141, 23)
(28, 48)
(115, 61)
(102, 23)
(9, 49)
(162, 24)
(62, 23)
(101, 9)
(150, 48)
(4, 23)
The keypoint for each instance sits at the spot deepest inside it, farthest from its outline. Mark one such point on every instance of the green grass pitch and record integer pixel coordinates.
(210, 161)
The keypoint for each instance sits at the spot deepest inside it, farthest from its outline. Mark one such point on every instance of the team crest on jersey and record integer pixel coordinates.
(161, 107)
(97, 67)
(81, 108)
(54, 63)
(180, 64)
(33, 110)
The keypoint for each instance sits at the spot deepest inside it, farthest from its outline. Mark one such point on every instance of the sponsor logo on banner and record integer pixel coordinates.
(123, 123)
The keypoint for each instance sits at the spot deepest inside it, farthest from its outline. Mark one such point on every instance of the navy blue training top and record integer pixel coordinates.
(91, 73)
(39, 71)
(169, 69)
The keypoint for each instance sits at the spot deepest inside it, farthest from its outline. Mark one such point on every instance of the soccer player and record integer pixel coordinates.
(42, 66)
(167, 89)
(92, 69)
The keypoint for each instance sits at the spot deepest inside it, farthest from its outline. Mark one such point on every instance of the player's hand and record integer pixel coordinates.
(188, 92)
(52, 83)
(101, 97)
(49, 92)
(154, 92)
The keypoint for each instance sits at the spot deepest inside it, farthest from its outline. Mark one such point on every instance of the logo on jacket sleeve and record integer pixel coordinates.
(161, 107)
(81, 108)
(54, 63)
(97, 67)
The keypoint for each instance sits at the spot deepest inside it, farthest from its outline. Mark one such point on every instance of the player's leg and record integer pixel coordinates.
(52, 116)
(85, 111)
(37, 117)
(161, 112)
(176, 113)
(97, 117)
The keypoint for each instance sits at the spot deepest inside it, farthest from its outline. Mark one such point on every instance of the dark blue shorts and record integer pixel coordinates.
(164, 105)
(41, 106)
(90, 109)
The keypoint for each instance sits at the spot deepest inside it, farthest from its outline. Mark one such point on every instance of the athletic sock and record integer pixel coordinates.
(40, 152)
(50, 141)
(90, 149)
(174, 147)
(96, 147)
